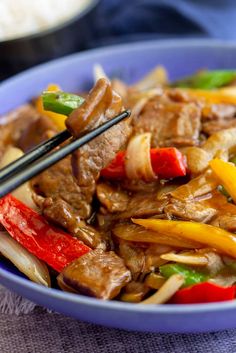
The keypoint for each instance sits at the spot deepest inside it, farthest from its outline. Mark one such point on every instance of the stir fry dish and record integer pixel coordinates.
(146, 212)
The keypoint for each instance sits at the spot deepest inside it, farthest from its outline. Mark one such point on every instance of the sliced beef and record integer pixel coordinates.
(218, 112)
(58, 183)
(227, 222)
(226, 217)
(211, 127)
(134, 257)
(112, 198)
(191, 204)
(63, 214)
(139, 205)
(216, 117)
(97, 274)
(142, 205)
(171, 123)
(141, 258)
(101, 105)
(190, 210)
(15, 123)
(37, 131)
(134, 292)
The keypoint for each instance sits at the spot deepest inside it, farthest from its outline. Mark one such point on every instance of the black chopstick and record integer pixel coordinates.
(45, 162)
(33, 155)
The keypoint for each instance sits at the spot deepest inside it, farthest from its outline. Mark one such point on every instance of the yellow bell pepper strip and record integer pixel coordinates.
(209, 235)
(226, 174)
(220, 96)
(58, 119)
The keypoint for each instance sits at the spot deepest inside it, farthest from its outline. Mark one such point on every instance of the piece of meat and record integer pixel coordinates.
(138, 185)
(190, 210)
(97, 274)
(134, 292)
(37, 131)
(13, 124)
(139, 205)
(63, 214)
(112, 198)
(171, 123)
(142, 258)
(134, 257)
(216, 117)
(211, 127)
(101, 105)
(58, 182)
(142, 205)
(218, 112)
(227, 222)
(191, 205)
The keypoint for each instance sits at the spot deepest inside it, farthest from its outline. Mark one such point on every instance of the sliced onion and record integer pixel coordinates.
(24, 192)
(26, 262)
(157, 77)
(138, 160)
(186, 258)
(98, 72)
(131, 232)
(169, 288)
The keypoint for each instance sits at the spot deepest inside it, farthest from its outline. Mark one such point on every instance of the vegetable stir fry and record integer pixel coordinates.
(146, 212)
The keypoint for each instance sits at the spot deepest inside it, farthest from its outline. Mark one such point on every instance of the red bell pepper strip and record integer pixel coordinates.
(205, 292)
(116, 169)
(166, 163)
(32, 231)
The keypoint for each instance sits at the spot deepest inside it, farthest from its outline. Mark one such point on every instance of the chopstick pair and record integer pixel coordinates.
(38, 159)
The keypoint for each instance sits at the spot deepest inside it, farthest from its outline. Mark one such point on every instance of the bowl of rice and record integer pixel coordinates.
(32, 32)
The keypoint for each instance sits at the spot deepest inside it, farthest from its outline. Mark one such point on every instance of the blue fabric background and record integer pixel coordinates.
(128, 20)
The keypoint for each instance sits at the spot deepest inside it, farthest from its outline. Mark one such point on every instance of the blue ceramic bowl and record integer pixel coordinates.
(130, 62)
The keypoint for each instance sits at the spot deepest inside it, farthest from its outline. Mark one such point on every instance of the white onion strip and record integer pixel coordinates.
(157, 77)
(167, 290)
(22, 193)
(98, 72)
(189, 259)
(138, 160)
(26, 262)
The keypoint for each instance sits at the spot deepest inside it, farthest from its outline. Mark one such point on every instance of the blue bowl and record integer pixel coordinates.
(129, 62)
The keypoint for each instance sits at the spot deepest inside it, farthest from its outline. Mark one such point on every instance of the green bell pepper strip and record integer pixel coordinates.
(207, 80)
(191, 276)
(61, 102)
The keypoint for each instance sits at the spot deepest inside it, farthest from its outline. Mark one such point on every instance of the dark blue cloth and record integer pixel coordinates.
(125, 20)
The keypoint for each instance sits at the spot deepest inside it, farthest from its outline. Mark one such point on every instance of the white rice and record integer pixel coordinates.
(22, 17)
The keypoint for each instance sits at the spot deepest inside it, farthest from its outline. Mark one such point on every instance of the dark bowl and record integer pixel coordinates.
(70, 36)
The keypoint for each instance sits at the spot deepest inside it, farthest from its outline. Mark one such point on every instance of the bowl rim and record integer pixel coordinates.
(57, 27)
(98, 303)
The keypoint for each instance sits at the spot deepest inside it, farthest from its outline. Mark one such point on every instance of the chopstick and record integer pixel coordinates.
(33, 155)
(16, 178)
